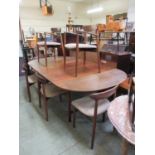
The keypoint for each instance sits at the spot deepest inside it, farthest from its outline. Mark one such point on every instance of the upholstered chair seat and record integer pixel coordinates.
(86, 106)
(52, 43)
(32, 79)
(81, 46)
(51, 90)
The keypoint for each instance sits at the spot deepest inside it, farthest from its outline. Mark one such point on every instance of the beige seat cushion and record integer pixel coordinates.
(51, 90)
(81, 46)
(32, 79)
(41, 43)
(86, 105)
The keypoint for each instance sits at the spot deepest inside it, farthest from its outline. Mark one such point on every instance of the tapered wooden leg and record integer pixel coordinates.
(45, 103)
(38, 53)
(39, 94)
(46, 108)
(46, 56)
(76, 64)
(69, 107)
(63, 42)
(54, 54)
(64, 60)
(103, 117)
(93, 132)
(74, 117)
(94, 125)
(99, 61)
(28, 92)
(60, 98)
(124, 147)
(114, 130)
(84, 57)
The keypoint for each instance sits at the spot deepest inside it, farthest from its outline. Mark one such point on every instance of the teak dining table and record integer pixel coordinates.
(88, 80)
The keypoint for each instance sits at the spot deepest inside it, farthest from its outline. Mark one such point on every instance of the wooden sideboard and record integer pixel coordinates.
(122, 59)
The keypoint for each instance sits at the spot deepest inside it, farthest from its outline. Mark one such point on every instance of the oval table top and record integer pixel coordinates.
(118, 114)
(88, 79)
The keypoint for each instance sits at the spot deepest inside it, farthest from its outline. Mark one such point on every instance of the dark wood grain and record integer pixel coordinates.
(87, 81)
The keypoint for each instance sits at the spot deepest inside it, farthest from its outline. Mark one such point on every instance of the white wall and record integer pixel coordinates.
(110, 7)
(131, 11)
(32, 16)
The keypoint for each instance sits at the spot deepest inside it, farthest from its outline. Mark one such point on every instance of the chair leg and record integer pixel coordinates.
(60, 98)
(63, 49)
(114, 130)
(54, 54)
(76, 64)
(74, 117)
(64, 60)
(46, 108)
(38, 53)
(84, 58)
(28, 92)
(46, 56)
(39, 94)
(93, 132)
(103, 117)
(69, 107)
(124, 147)
(45, 103)
(94, 124)
(99, 61)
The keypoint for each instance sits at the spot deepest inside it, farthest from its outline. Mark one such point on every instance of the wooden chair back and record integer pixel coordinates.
(41, 79)
(131, 94)
(104, 94)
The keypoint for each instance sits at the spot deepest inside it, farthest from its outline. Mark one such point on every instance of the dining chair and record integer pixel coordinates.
(30, 79)
(122, 115)
(29, 72)
(81, 45)
(50, 43)
(131, 111)
(47, 90)
(127, 83)
(92, 106)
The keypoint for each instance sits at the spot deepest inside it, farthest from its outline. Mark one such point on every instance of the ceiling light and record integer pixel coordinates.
(99, 9)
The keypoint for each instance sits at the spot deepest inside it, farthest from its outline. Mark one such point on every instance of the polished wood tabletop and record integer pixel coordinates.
(88, 80)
